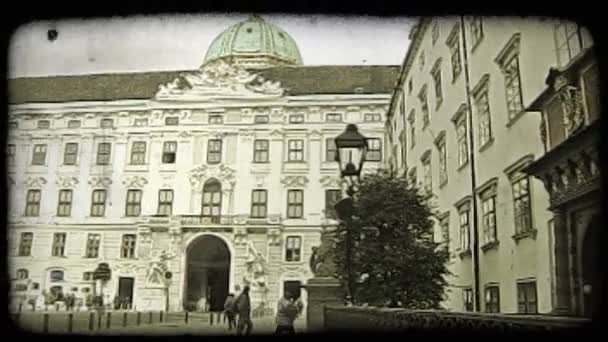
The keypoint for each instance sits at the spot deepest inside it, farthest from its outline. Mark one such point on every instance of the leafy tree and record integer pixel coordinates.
(394, 260)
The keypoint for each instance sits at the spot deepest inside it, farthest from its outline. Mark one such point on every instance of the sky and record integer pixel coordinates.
(132, 44)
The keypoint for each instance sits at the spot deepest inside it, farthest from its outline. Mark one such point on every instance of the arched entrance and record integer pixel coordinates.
(591, 275)
(207, 273)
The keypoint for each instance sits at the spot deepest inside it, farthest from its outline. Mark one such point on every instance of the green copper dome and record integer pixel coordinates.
(257, 43)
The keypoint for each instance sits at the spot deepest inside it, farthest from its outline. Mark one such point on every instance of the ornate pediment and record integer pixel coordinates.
(219, 79)
(135, 182)
(35, 182)
(67, 182)
(97, 182)
(223, 173)
(294, 181)
(331, 182)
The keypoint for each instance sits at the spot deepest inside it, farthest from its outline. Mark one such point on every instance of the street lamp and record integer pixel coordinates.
(352, 147)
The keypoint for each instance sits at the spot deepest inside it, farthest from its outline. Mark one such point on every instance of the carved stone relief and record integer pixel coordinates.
(35, 182)
(135, 182)
(97, 182)
(294, 181)
(67, 182)
(331, 182)
(274, 237)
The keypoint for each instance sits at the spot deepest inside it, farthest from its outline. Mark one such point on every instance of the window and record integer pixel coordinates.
(261, 119)
(22, 274)
(10, 154)
(410, 86)
(444, 224)
(107, 123)
(44, 124)
(39, 157)
(372, 117)
(70, 154)
(57, 276)
(32, 205)
(296, 118)
(412, 120)
(331, 198)
(521, 203)
(295, 203)
(436, 74)
(98, 203)
(216, 119)
(138, 153)
(214, 151)
(260, 151)
(172, 121)
(488, 210)
(13, 125)
(435, 34)
(333, 117)
(453, 43)
(104, 150)
(526, 298)
(25, 244)
(165, 202)
(374, 150)
(293, 249)
(87, 276)
(492, 299)
(464, 230)
(74, 124)
(467, 295)
(513, 86)
(212, 200)
(65, 203)
(568, 42)
(403, 143)
(259, 199)
(421, 60)
(443, 161)
(169, 152)
(93, 241)
(476, 26)
(331, 150)
(295, 150)
(127, 249)
(483, 112)
(424, 107)
(58, 244)
(133, 203)
(428, 175)
(463, 147)
(140, 122)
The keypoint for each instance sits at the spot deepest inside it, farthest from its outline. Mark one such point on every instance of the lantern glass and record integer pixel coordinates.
(350, 159)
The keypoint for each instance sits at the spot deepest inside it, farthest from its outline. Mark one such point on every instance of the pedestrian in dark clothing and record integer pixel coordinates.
(243, 308)
(287, 312)
(229, 312)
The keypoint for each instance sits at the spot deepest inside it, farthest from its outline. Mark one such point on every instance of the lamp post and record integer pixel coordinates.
(352, 147)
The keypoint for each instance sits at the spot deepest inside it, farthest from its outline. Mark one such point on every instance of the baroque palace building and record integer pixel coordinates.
(457, 127)
(219, 177)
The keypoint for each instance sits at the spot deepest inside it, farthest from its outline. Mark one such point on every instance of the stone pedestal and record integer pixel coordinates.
(321, 291)
(152, 299)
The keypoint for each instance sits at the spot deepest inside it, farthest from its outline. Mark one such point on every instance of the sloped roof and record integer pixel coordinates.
(297, 80)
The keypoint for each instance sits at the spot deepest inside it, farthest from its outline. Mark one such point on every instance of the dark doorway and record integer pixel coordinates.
(592, 277)
(294, 287)
(208, 274)
(125, 290)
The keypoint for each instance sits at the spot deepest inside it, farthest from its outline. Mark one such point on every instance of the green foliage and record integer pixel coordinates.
(393, 256)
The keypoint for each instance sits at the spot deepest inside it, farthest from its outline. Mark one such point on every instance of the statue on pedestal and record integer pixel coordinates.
(322, 263)
(157, 268)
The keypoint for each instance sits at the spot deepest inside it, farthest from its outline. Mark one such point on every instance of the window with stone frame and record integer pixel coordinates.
(216, 119)
(374, 150)
(488, 212)
(520, 186)
(372, 117)
(138, 153)
(43, 124)
(421, 60)
(293, 249)
(461, 137)
(332, 197)
(331, 150)
(261, 119)
(98, 203)
(212, 200)
(508, 61)
(259, 203)
(13, 125)
(427, 172)
(56, 276)
(64, 207)
(87, 276)
(440, 143)
(10, 154)
(444, 224)
(165, 202)
(453, 43)
(435, 32)
(39, 155)
(476, 28)
(296, 118)
(171, 121)
(107, 123)
(133, 203)
(104, 151)
(70, 154)
(22, 274)
(169, 152)
(295, 150)
(403, 148)
(143, 122)
(32, 204)
(58, 249)
(484, 118)
(214, 151)
(295, 203)
(437, 83)
(464, 228)
(526, 297)
(492, 299)
(25, 244)
(333, 117)
(410, 86)
(411, 118)
(74, 124)
(568, 41)
(467, 298)
(261, 151)
(127, 248)
(424, 107)
(92, 248)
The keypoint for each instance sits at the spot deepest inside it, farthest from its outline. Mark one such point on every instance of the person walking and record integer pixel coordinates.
(287, 312)
(243, 308)
(229, 312)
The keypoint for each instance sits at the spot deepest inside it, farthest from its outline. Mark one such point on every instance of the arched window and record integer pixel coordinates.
(56, 276)
(212, 200)
(22, 274)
